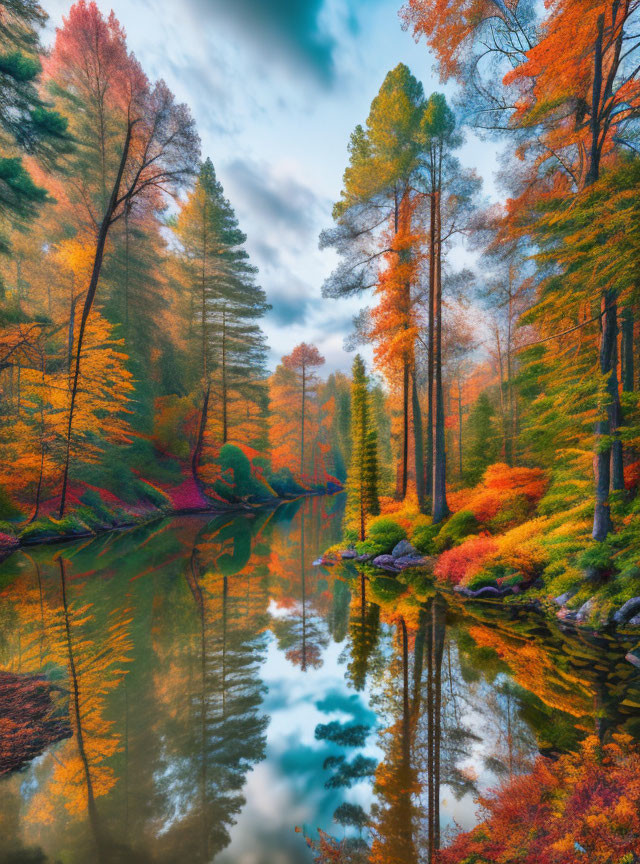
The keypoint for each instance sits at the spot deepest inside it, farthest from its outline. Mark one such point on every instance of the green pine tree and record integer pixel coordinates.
(26, 123)
(226, 305)
(362, 480)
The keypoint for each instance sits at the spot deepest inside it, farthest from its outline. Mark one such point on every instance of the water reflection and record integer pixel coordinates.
(195, 690)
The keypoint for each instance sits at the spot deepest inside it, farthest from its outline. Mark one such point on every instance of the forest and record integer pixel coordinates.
(485, 434)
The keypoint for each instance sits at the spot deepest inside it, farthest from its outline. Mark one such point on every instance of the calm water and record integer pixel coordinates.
(195, 691)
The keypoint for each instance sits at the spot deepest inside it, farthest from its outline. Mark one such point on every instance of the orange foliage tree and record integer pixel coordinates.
(296, 414)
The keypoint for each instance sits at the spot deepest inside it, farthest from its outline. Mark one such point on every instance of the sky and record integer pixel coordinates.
(276, 88)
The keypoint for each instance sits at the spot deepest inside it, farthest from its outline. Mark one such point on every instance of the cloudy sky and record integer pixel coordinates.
(276, 87)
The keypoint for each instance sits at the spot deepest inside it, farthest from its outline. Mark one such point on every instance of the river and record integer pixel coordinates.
(194, 690)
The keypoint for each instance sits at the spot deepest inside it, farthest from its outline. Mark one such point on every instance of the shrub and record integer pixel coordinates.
(632, 476)
(384, 534)
(423, 537)
(239, 480)
(7, 542)
(405, 513)
(597, 558)
(521, 549)
(583, 806)
(283, 482)
(460, 525)
(482, 579)
(505, 496)
(460, 564)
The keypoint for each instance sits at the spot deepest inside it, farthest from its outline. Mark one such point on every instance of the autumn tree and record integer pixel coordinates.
(139, 143)
(374, 222)
(362, 481)
(297, 400)
(570, 92)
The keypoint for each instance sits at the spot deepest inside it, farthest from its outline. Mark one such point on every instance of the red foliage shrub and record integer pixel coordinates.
(632, 475)
(512, 492)
(463, 562)
(7, 542)
(584, 806)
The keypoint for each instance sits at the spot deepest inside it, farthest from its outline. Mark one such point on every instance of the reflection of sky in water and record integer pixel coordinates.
(287, 789)
(156, 709)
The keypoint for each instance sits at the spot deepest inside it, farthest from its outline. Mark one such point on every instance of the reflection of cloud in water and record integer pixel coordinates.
(287, 789)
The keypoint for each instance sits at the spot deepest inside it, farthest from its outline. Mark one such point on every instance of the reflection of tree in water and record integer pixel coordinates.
(395, 815)
(404, 826)
(93, 651)
(301, 633)
(344, 771)
(226, 730)
(364, 627)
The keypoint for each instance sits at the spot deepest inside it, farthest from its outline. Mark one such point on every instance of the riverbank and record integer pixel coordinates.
(98, 516)
(506, 543)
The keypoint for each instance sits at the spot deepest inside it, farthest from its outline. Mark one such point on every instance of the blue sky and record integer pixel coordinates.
(276, 87)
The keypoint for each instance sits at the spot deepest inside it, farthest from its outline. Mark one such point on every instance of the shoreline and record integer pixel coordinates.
(546, 607)
(234, 509)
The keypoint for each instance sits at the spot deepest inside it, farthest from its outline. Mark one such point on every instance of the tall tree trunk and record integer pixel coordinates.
(503, 412)
(206, 381)
(126, 271)
(418, 442)
(103, 233)
(606, 429)
(405, 430)
(72, 315)
(602, 516)
(460, 427)
(302, 419)
(615, 422)
(197, 450)
(440, 506)
(628, 371)
(225, 421)
(594, 154)
(430, 334)
(509, 436)
(36, 507)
